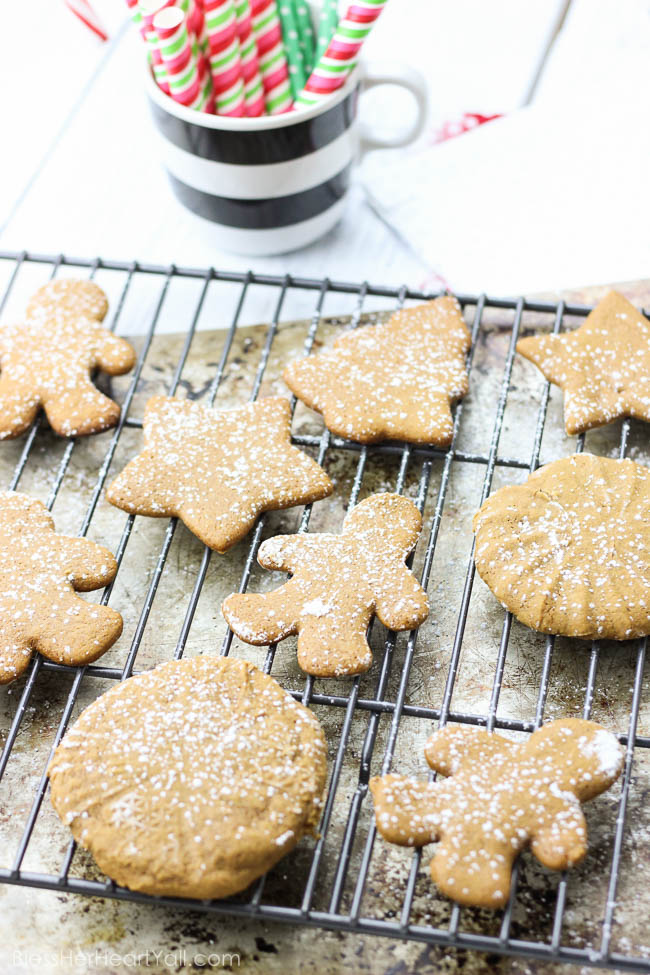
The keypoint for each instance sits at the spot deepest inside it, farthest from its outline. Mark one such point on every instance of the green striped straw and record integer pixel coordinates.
(292, 49)
(329, 18)
(306, 33)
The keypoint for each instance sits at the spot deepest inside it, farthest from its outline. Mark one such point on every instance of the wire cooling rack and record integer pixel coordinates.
(347, 879)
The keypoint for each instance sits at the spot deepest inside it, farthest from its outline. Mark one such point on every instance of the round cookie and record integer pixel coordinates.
(568, 551)
(191, 780)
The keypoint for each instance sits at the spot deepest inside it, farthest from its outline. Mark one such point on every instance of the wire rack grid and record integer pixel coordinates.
(336, 873)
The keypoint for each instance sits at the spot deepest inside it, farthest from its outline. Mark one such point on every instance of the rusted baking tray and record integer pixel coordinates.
(198, 334)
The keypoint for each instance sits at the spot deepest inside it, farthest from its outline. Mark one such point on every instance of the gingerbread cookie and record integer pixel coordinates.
(191, 780)
(568, 551)
(500, 798)
(397, 379)
(217, 470)
(40, 574)
(338, 582)
(603, 367)
(48, 360)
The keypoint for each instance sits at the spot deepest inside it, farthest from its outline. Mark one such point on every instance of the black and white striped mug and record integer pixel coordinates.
(275, 183)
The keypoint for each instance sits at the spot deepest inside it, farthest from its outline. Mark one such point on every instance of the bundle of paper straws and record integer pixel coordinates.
(247, 58)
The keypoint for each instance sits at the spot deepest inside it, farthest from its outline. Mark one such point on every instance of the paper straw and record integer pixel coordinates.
(148, 10)
(327, 22)
(220, 30)
(306, 32)
(83, 10)
(250, 66)
(179, 56)
(136, 16)
(196, 18)
(273, 63)
(293, 51)
(193, 10)
(335, 65)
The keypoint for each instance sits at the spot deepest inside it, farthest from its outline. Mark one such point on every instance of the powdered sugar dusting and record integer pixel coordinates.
(317, 607)
(39, 573)
(395, 379)
(337, 582)
(48, 359)
(500, 798)
(603, 367)
(191, 779)
(568, 552)
(217, 470)
(605, 748)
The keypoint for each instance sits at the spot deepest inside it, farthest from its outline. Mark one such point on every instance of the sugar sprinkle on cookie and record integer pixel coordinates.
(568, 551)
(48, 360)
(217, 470)
(394, 380)
(499, 798)
(191, 780)
(338, 582)
(603, 367)
(41, 573)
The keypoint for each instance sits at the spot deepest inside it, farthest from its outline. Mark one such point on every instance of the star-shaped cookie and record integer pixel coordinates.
(603, 367)
(217, 470)
(338, 582)
(393, 380)
(500, 797)
(40, 575)
(48, 360)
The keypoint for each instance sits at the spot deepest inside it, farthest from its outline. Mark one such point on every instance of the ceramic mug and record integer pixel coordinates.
(275, 183)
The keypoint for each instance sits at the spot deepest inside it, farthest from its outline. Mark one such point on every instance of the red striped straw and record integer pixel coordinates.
(148, 10)
(335, 65)
(250, 65)
(180, 58)
(220, 31)
(195, 18)
(193, 10)
(136, 17)
(267, 31)
(83, 10)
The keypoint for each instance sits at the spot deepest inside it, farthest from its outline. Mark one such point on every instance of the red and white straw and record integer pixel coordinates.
(222, 44)
(179, 55)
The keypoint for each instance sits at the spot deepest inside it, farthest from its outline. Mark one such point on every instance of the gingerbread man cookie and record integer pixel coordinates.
(500, 797)
(48, 360)
(568, 551)
(603, 367)
(217, 470)
(191, 780)
(397, 379)
(40, 574)
(338, 582)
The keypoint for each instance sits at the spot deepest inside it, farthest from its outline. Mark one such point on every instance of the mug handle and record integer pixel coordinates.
(403, 76)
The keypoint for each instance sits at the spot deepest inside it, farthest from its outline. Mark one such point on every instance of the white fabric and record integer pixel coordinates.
(554, 195)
